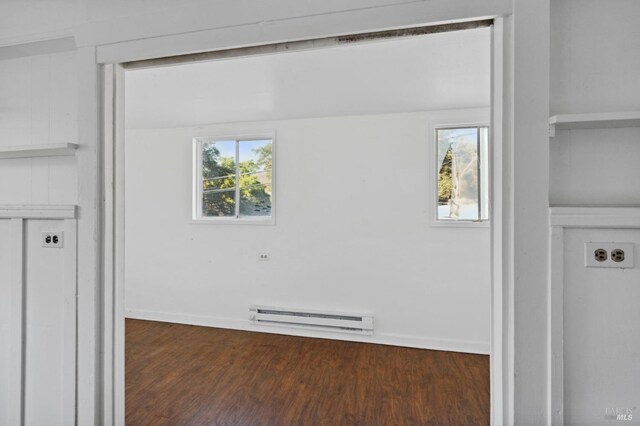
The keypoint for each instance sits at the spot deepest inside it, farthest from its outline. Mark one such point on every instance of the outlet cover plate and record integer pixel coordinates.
(54, 239)
(591, 262)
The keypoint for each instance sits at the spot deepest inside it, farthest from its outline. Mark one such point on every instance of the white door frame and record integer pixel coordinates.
(113, 339)
(501, 365)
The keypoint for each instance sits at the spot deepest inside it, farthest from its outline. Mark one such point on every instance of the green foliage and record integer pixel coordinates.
(218, 173)
(255, 197)
(445, 181)
(219, 178)
(265, 156)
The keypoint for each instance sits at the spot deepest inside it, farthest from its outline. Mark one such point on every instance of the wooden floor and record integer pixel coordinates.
(187, 375)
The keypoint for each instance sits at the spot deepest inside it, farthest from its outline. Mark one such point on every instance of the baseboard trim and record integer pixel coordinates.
(448, 345)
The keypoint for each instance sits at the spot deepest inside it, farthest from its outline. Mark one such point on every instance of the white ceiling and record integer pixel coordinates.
(431, 72)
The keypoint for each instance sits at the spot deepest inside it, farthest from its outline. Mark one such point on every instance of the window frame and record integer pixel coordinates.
(197, 187)
(462, 223)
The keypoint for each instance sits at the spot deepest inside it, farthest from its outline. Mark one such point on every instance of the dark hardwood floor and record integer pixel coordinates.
(187, 375)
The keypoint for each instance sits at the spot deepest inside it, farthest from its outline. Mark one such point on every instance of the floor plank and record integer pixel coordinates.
(187, 375)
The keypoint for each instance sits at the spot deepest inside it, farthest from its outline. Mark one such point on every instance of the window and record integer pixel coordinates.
(234, 179)
(463, 174)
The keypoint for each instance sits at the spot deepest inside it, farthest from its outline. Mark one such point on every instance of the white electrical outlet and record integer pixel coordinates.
(264, 257)
(53, 239)
(608, 255)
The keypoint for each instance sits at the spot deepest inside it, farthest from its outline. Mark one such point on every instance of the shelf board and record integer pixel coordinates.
(598, 120)
(37, 211)
(30, 151)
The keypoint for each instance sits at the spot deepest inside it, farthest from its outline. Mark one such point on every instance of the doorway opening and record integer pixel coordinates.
(306, 180)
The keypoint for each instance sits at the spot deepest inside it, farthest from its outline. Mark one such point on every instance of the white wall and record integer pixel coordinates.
(595, 67)
(450, 70)
(38, 105)
(353, 233)
(595, 167)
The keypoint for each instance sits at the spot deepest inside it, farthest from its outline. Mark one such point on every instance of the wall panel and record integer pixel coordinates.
(6, 247)
(37, 316)
(39, 106)
(601, 326)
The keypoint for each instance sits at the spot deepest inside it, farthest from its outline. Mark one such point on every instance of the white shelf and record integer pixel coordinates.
(598, 120)
(37, 211)
(30, 151)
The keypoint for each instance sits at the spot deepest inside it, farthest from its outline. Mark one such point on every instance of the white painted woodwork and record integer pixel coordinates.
(499, 199)
(17, 358)
(112, 392)
(31, 151)
(590, 303)
(598, 120)
(45, 211)
(593, 163)
(39, 117)
(595, 217)
(38, 363)
(595, 78)
(90, 244)
(7, 252)
(528, 185)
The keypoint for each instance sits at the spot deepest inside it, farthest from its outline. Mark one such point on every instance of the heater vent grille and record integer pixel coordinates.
(311, 319)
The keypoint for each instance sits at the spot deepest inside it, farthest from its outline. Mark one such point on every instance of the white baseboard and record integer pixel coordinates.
(449, 345)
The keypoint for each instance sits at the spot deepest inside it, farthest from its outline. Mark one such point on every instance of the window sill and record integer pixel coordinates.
(460, 224)
(234, 221)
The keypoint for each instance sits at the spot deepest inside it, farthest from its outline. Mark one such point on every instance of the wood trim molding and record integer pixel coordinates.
(41, 150)
(595, 217)
(70, 322)
(36, 211)
(17, 353)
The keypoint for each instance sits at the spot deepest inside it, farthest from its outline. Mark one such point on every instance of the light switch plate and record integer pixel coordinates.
(612, 254)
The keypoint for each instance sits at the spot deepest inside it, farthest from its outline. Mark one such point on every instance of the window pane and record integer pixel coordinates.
(218, 178)
(219, 203)
(256, 162)
(218, 164)
(457, 174)
(251, 205)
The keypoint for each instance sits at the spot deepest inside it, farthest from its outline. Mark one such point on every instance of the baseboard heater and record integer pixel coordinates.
(311, 319)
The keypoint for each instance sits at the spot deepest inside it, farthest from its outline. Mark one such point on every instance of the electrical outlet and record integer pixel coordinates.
(600, 255)
(608, 255)
(53, 239)
(617, 255)
(263, 257)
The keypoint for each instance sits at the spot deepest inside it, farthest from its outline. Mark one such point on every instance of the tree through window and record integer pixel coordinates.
(235, 178)
(462, 164)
